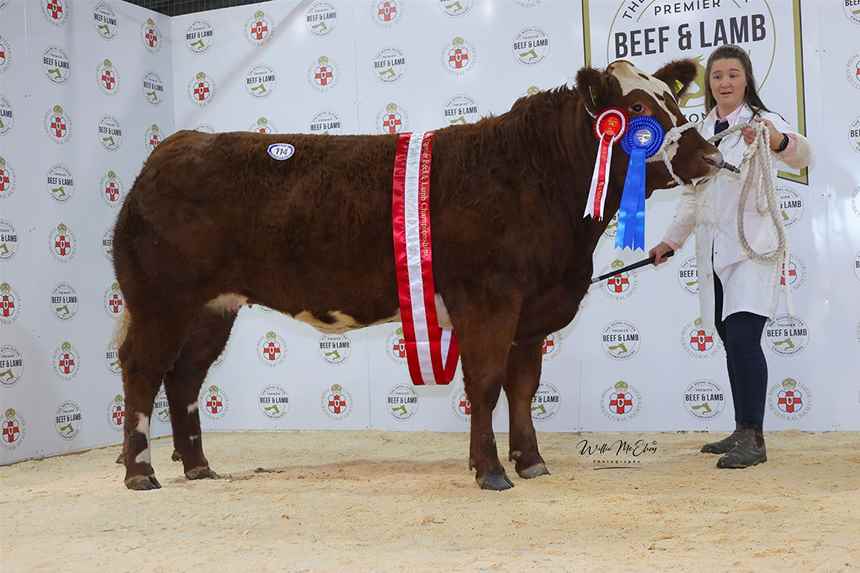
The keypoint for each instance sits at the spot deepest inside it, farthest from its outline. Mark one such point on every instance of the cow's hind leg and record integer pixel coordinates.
(205, 341)
(524, 367)
(149, 350)
(485, 331)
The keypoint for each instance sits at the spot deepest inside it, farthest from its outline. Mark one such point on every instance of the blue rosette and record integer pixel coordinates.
(643, 138)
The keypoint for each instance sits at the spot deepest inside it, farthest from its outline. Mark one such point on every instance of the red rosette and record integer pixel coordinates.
(612, 122)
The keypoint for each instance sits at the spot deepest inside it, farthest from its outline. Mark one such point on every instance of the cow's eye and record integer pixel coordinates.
(637, 108)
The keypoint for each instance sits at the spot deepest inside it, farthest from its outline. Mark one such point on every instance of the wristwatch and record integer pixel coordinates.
(783, 144)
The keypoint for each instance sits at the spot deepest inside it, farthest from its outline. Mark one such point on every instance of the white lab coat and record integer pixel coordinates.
(748, 285)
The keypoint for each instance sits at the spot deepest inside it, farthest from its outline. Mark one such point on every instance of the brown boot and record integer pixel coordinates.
(749, 451)
(722, 446)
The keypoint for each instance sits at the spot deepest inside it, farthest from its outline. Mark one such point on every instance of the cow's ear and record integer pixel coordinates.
(678, 75)
(593, 88)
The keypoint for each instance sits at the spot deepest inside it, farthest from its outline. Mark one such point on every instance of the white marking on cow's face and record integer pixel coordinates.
(632, 78)
(227, 303)
(143, 428)
(192, 407)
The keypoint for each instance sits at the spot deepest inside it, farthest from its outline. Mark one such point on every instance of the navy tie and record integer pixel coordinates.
(720, 126)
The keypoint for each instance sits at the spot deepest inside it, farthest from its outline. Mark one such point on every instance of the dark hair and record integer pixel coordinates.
(751, 96)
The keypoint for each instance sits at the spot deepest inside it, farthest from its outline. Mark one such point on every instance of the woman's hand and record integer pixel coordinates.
(774, 136)
(659, 253)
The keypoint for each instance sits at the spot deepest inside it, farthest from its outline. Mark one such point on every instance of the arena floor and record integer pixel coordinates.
(378, 501)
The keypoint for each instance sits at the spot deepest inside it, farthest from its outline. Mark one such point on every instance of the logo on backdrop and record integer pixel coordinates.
(461, 109)
(460, 403)
(611, 229)
(396, 346)
(794, 274)
(57, 124)
(213, 402)
(56, 65)
(116, 412)
(112, 359)
(323, 73)
(56, 11)
(274, 402)
(857, 266)
(337, 402)
(11, 365)
(456, 7)
(68, 420)
(110, 133)
(258, 28)
(60, 182)
(786, 335)
(7, 116)
(64, 301)
(621, 402)
(392, 119)
(201, 89)
(271, 348)
(5, 55)
(199, 36)
(386, 11)
(262, 125)
(458, 56)
(531, 46)
(790, 205)
(13, 429)
(855, 204)
(63, 243)
(699, 340)
(325, 122)
(790, 400)
(688, 276)
(107, 77)
(852, 10)
(111, 188)
(8, 240)
(546, 402)
(161, 407)
(151, 35)
(551, 346)
(152, 137)
(528, 3)
(620, 339)
(389, 65)
(114, 303)
(853, 71)
(704, 399)
(66, 361)
(620, 286)
(335, 348)
(105, 21)
(7, 179)
(321, 18)
(153, 88)
(659, 31)
(10, 304)
(402, 402)
(854, 135)
(260, 81)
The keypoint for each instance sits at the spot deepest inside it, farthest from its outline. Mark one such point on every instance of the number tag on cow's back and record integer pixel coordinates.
(281, 151)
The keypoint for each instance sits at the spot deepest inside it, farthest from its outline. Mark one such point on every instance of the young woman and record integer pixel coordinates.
(740, 293)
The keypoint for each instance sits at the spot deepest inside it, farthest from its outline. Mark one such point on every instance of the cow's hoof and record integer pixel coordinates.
(534, 471)
(201, 472)
(495, 482)
(176, 456)
(142, 483)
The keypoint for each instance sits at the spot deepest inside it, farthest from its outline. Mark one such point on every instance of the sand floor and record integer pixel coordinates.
(380, 501)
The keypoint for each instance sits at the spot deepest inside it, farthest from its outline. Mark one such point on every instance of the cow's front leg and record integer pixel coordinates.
(524, 367)
(485, 327)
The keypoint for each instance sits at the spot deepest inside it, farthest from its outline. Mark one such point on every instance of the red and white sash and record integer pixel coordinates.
(431, 353)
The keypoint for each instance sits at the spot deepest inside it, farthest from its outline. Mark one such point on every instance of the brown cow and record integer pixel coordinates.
(212, 223)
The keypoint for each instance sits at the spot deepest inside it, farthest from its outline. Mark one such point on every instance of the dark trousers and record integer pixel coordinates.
(741, 336)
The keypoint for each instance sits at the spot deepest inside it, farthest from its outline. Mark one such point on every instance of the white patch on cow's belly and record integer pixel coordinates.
(227, 303)
(342, 322)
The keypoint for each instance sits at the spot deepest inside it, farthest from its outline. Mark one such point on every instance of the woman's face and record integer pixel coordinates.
(728, 82)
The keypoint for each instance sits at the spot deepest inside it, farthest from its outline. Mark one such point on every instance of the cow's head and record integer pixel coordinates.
(624, 86)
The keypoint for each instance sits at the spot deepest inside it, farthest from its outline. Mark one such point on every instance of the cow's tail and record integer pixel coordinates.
(120, 331)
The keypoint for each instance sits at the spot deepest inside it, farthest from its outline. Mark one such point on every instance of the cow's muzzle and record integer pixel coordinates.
(716, 160)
